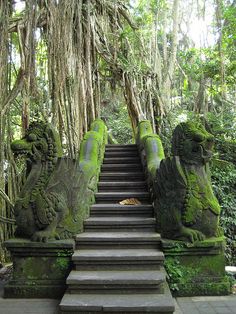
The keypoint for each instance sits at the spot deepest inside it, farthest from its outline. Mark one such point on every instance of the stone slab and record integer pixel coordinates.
(39, 269)
(117, 239)
(119, 221)
(121, 146)
(118, 236)
(109, 303)
(116, 277)
(201, 265)
(119, 160)
(124, 207)
(209, 246)
(26, 247)
(118, 255)
(121, 175)
(130, 153)
(121, 167)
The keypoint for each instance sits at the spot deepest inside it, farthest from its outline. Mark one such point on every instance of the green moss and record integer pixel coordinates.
(144, 129)
(194, 204)
(92, 148)
(63, 263)
(21, 145)
(154, 153)
(89, 152)
(196, 131)
(196, 275)
(99, 126)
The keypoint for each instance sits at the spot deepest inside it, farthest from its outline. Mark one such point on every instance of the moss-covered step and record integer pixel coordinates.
(196, 268)
(40, 269)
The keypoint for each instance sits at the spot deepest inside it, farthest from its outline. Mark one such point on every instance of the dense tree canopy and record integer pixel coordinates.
(68, 62)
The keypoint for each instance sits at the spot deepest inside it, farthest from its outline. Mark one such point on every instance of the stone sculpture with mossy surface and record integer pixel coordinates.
(185, 203)
(58, 192)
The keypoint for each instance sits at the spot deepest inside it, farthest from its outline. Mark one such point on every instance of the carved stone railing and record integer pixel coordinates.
(151, 149)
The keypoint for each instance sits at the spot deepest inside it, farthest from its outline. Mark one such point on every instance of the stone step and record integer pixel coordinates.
(115, 197)
(121, 148)
(116, 240)
(118, 259)
(98, 210)
(121, 160)
(126, 281)
(121, 145)
(116, 154)
(125, 186)
(119, 224)
(122, 176)
(118, 303)
(121, 167)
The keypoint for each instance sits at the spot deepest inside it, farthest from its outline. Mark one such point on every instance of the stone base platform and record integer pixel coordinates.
(39, 269)
(196, 268)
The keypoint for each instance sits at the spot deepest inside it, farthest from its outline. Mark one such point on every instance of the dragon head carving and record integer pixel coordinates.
(40, 144)
(192, 143)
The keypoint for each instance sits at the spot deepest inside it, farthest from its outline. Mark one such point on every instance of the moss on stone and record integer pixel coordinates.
(197, 275)
(196, 268)
(144, 129)
(151, 148)
(154, 153)
(92, 148)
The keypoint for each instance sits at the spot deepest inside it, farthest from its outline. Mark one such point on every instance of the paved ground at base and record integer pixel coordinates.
(194, 305)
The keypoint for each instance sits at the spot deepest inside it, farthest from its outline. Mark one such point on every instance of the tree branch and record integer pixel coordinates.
(15, 91)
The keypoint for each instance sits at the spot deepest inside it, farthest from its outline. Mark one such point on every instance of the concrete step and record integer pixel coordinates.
(115, 197)
(116, 154)
(122, 281)
(118, 303)
(118, 259)
(121, 167)
(121, 160)
(125, 186)
(109, 239)
(122, 176)
(98, 210)
(119, 224)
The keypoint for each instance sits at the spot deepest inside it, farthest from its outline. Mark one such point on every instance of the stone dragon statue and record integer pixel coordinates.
(41, 207)
(186, 207)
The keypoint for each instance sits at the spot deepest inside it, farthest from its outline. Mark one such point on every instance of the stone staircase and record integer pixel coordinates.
(118, 264)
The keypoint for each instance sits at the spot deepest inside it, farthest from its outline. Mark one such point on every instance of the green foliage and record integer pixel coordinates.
(177, 274)
(117, 120)
(224, 184)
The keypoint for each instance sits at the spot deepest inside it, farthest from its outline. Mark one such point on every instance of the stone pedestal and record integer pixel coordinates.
(196, 269)
(39, 269)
